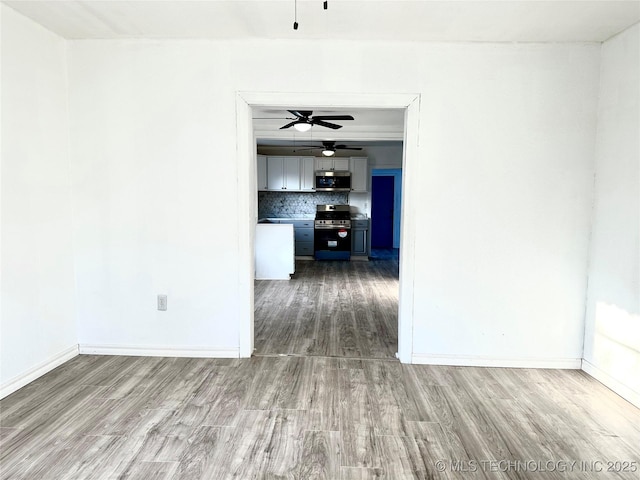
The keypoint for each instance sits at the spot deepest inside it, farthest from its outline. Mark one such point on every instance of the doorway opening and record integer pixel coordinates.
(386, 200)
(247, 198)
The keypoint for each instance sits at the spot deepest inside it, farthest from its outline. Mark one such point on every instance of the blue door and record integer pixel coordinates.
(382, 195)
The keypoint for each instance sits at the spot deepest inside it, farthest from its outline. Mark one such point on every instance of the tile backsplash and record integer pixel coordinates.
(287, 204)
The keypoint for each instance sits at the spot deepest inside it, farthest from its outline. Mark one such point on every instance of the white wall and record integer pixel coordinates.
(385, 156)
(154, 186)
(505, 169)
(38, 329)
(612, 333)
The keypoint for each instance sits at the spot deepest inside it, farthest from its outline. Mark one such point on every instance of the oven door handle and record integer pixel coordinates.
(333, 227)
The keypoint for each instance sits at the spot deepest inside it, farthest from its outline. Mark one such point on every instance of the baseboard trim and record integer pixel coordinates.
(37, 371)
(505, 362)
(611, 383)
(158, 351)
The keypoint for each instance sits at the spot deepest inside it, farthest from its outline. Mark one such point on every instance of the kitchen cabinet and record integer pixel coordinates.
(283, 173)
(274, 258)
(359, 174)
(332, 163)
(262, 172)
(303, 232)
(360, 237)
(307, 174)
(293, 174)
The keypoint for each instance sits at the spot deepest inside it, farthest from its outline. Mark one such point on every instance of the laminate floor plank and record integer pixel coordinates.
(320, 457)
(403, 459)
(346, 309)
(355, 473)
(202, 459)
(150, 471)
(32, 398)
(323, 394)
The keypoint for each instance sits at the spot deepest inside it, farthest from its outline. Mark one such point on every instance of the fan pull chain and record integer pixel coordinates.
(295, 14)
(325, 5)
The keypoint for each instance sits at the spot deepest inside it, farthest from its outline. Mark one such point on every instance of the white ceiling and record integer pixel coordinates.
(367, 125)
(397, 20)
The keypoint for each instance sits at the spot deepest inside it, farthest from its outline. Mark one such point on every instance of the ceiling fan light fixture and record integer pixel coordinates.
(328, 152)
(302, 126)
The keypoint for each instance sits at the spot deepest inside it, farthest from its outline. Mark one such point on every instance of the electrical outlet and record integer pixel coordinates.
(162, 302)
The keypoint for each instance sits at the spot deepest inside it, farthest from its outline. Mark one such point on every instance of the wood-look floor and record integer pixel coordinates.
(329, 308)
(309, 416)
(102, 417)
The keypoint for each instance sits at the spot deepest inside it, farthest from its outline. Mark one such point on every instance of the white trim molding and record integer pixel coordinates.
(158, 351)
(504, 362)
(611, 383)
(247, 194)
(38, 370)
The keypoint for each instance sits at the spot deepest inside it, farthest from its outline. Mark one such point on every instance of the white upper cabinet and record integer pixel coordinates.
(359, 174)
(307, 174)
(294, 174)
(283, 173)
(297, 174)
(275, 173)
(291, 173)
(262, 172)
(329, 163)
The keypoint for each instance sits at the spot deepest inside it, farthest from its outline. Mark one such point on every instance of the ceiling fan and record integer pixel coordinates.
(328, 148)
(304, 120)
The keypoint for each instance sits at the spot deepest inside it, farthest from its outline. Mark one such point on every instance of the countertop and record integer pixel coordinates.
(291, 218)
(307, 217)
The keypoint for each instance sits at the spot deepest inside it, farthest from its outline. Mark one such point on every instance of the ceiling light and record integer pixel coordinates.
(302, 126)
(328, 153)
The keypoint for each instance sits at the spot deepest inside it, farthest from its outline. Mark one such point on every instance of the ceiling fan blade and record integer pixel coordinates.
(344, 147)
(289, 125)
(300, 113)
(333, 117)
(325, 124)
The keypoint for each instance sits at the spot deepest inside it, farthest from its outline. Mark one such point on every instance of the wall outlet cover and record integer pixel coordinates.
(162, 302)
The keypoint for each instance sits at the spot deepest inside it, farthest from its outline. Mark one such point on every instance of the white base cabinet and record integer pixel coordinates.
(275, 259)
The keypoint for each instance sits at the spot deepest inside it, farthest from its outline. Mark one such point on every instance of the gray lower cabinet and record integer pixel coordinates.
(360, 237)
(303, 231)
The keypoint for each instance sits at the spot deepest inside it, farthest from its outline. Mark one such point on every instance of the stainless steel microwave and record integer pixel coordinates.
(331, 181)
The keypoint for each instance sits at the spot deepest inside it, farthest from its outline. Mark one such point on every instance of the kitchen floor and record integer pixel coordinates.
(330, 308)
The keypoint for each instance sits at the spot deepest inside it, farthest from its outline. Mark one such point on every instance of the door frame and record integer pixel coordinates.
(396, 173)
(247, 200)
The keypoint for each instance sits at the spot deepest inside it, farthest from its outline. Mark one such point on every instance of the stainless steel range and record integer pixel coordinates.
(332, 232)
